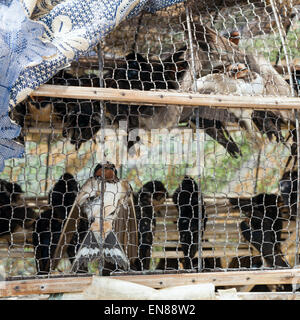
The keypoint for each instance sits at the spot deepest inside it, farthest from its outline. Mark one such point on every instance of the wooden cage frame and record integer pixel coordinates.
(247, 279)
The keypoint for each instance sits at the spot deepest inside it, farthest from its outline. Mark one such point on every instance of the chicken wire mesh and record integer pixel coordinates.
(185, 189)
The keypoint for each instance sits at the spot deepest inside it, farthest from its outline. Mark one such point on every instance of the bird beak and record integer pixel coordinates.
(114, 253)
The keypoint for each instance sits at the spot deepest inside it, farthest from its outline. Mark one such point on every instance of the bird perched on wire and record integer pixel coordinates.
(104, 196)
(49, 225)
(191, 211)
(16, 219)
(147, 201)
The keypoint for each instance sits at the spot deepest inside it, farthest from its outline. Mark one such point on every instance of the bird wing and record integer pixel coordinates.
(216, 52)
(86, 191)
(115, 214)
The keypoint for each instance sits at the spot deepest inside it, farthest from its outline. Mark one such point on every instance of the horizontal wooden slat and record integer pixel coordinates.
(267, 295)
(205, 254)
(205, 244)
(167, 98)
(212, 236)
(230, 278)
(216, 227)
(78, 284)
(16, 254)
(43, 286)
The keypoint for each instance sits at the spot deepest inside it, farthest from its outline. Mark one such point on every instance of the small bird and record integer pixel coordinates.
(264, 228)
(147, 200)
(217, 55)
(49, 225)
(296, 79)
(186, 198)
(114, 205)
(267, 122)
(140, 74)
(235, 37)
(265, 225)
(16, 219)
(11, 190)
(232, 35)
(237, 79)
(108, 172)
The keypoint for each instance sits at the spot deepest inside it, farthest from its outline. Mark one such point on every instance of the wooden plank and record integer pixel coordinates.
(210, 236)
(173, 235)
(205, 244)
(211, 227)
(230, 278)
(205, 254)
(210, 221)
(16, 254)
(78, 284)
(268, 295)
(167, 98)
(43, 286)
(246, 288)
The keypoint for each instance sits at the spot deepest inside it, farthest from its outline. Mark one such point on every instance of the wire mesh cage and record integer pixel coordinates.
(111, 187)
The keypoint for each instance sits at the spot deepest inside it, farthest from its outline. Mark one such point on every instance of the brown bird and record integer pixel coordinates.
(104, 191)
(239, 80)
(107, 171)
(217, 53)
(235, 37)
(232, 35)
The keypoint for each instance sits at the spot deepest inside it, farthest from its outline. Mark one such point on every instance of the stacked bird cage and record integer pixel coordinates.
(189, 166)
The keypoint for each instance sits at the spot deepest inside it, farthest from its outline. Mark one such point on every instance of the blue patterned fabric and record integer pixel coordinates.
(20, 47)
(38, 38)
